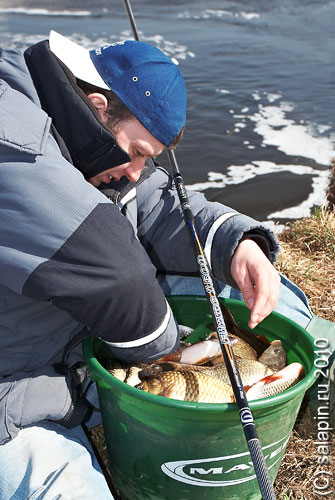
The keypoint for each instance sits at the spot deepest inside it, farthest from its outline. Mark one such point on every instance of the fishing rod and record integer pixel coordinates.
(246, 417)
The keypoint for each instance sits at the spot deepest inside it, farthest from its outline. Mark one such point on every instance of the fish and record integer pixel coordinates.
(277, 382)
(259, 343)
(250, 370)
(197, 353)
(188, 386)
(274, 356)
(208, 384)
(207, 350)
(198, 373)
(240, 348)
(125, 372)
(212, 385)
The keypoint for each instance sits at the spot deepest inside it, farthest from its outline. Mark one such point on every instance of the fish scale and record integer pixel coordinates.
(189, 386)
(250, 370)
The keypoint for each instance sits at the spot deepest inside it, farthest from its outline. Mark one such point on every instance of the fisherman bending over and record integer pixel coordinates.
(92, 237)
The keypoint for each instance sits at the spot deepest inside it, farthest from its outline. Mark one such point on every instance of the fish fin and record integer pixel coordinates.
(282, 373)
(173, 356)
(264, 339)
(185, 331)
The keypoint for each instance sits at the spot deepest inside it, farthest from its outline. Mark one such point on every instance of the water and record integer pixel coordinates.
(260, 80)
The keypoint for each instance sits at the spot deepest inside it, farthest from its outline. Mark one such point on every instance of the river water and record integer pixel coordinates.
(260, 81)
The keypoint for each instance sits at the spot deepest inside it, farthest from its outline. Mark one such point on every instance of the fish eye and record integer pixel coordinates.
(277, 350)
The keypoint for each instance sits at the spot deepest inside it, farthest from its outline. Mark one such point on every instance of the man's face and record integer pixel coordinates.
(139, 144)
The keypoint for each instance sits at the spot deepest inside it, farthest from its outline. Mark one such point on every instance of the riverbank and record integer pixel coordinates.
(308, 258)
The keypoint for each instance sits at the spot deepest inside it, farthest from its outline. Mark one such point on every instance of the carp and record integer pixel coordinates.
(124, 372)
(212, 385)
(189, 386)
(250, 370)
(276, 383)
(274, 356)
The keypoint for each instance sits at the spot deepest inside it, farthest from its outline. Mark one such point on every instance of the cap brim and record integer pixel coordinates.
(76, 58)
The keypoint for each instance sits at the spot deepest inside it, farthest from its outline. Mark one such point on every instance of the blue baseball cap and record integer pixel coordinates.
(147, 81)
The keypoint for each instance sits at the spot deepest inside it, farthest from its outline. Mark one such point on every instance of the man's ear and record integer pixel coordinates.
(100, 103)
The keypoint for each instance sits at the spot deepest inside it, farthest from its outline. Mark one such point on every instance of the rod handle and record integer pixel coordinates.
(261, 470)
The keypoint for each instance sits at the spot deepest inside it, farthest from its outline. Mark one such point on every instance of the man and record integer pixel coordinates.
(89, 222)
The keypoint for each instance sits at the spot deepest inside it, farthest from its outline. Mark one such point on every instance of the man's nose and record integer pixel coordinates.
(133, 172)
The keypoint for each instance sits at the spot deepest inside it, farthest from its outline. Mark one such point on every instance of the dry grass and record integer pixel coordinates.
(299, 466)
(330, 195)
(308, 259)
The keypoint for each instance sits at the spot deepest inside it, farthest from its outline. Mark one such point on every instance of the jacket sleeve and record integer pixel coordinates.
(26, 400)
(66, 243)
(43, 395)
(163, 232)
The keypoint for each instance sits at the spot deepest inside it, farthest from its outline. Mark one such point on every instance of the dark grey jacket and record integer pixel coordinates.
(70, 256)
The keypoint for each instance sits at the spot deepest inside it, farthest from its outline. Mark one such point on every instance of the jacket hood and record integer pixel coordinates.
(91, 145)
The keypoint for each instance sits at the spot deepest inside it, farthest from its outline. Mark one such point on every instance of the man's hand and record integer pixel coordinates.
(257, 279)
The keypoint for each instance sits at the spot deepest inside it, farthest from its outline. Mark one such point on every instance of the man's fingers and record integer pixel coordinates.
(259, 309)
(266, 298)
(254, 298)
(257, 279)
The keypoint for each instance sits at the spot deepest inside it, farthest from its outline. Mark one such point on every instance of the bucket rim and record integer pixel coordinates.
(99, 372)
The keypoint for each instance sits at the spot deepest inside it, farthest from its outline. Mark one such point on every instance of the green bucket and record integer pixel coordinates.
(163, 449)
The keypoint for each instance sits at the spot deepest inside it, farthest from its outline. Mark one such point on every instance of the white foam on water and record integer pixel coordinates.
(238, 174)
(170, 48)
(292, 139)
(272, 123)
(316, 198)
(322, 128)
(22, 40)
(256, 96)
(206, 14)
(218, 13)
(275, 226)
(273, 97)
(250, 15)
(222, 91)
(44, 12)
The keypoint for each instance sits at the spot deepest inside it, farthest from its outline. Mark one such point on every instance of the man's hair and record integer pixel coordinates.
(116, 110)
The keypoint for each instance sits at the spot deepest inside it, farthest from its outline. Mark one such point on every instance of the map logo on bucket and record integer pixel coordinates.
(223, 471)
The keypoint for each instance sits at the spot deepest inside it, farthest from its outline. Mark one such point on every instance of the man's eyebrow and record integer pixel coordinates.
(139, 150)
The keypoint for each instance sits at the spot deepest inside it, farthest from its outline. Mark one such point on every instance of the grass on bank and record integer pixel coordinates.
(308, 259)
